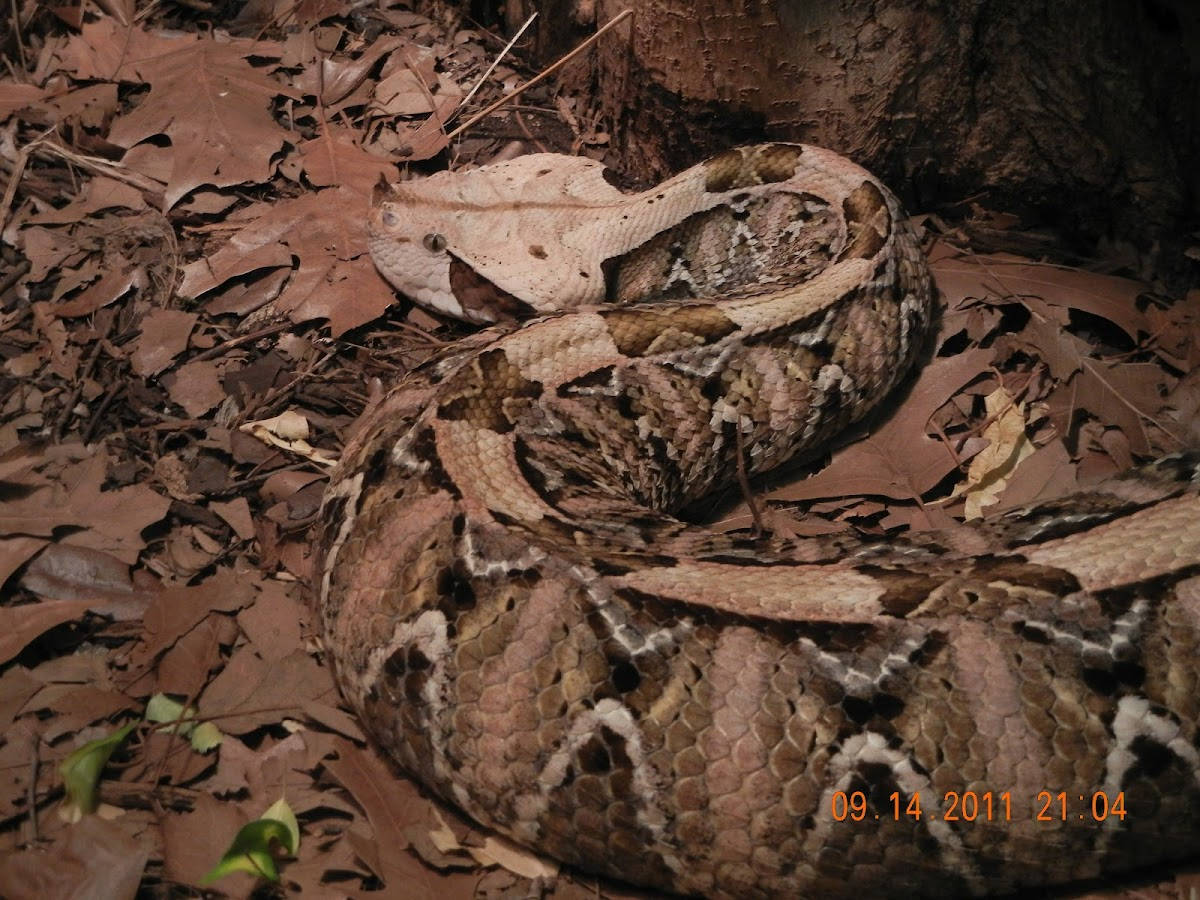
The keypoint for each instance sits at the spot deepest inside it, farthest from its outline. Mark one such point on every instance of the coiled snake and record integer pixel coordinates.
(518, 618)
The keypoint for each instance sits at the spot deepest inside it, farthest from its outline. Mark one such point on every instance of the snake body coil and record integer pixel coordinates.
(519, 619)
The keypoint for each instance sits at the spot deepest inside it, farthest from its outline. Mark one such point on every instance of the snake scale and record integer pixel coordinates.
(518, 617)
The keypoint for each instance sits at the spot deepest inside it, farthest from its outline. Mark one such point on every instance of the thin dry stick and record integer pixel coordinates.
(11, 191)
(34, 763)
(744, 482)
(16, 20)
(540, 77)
(495, 62)
(64, 415)
(233, 343)
(98, 165)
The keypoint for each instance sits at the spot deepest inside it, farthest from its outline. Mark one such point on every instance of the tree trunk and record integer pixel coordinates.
(1075, 115)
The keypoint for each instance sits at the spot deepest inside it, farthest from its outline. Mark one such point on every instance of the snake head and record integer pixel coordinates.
(416, 245)
(414, 257)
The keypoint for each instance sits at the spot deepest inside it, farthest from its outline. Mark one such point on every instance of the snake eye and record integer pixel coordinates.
(434, 242)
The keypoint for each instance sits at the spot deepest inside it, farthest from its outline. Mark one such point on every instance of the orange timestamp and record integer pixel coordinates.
(980, 806)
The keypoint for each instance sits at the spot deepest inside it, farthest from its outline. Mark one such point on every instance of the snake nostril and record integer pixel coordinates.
(390, 219)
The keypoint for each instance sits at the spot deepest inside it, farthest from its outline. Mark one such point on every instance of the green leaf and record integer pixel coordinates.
(81, 772)
(206, 737)
(281, 812)
(164, 709)
(251, 847)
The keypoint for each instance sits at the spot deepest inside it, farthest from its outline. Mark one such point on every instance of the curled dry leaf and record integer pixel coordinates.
(990, 470)
(289, 431)
(498, 851)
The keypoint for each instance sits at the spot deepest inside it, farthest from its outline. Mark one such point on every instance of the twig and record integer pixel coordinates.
(243, 339)
(274, 394)
(540, 77)
(17, 273)
(11, 191)
(495, 62)
(95, 164)
(16, 19)
(97, 417)
(744, 482)
(34, 762)
(64, 414)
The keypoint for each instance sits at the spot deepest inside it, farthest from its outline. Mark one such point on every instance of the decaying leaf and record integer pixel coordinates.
(289, 430)
(990, 469)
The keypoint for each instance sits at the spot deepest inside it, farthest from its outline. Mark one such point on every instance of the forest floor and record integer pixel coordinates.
(190, 326)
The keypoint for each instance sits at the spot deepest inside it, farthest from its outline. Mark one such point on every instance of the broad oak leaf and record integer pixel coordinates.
(325, 233)
(1129, 396)
(204, 96)
(1001, 275)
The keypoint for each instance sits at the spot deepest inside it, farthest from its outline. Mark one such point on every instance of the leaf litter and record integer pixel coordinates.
(183, 271)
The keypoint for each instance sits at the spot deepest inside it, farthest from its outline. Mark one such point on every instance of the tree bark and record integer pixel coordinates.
(1076, 115)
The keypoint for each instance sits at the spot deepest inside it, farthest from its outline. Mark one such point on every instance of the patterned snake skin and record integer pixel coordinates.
(517, 617)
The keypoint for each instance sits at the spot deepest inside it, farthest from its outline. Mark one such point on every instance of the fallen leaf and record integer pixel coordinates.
(205, 97)
(164, 336)
(94, 858)
(21, 624)
(899, 459)
(989, 470)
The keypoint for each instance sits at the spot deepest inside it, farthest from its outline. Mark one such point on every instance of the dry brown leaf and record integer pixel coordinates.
(193, 842)
(272, 624)
(15, 97)
(112, 286)
(232, 261)
(326, 232)
(205, 97)
(90, 859)
(1130, 396)
(1045, 474)
(289, 431)
(336, 159)
(1002, 275)
(17, 686)
(113, 520)
(164, 336)
(21, 624)
(67, 572)
(100, 193)
(516, 859)
(196, 386)
(404, 93)
(187, 664)
(990, 470)
(15, 551)
(339, 77)
(335, 719)
(76, 707)
(179, 609)
(90, 105)
(391, 803)
(237, 513)
(899, 459)
(251, 692)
